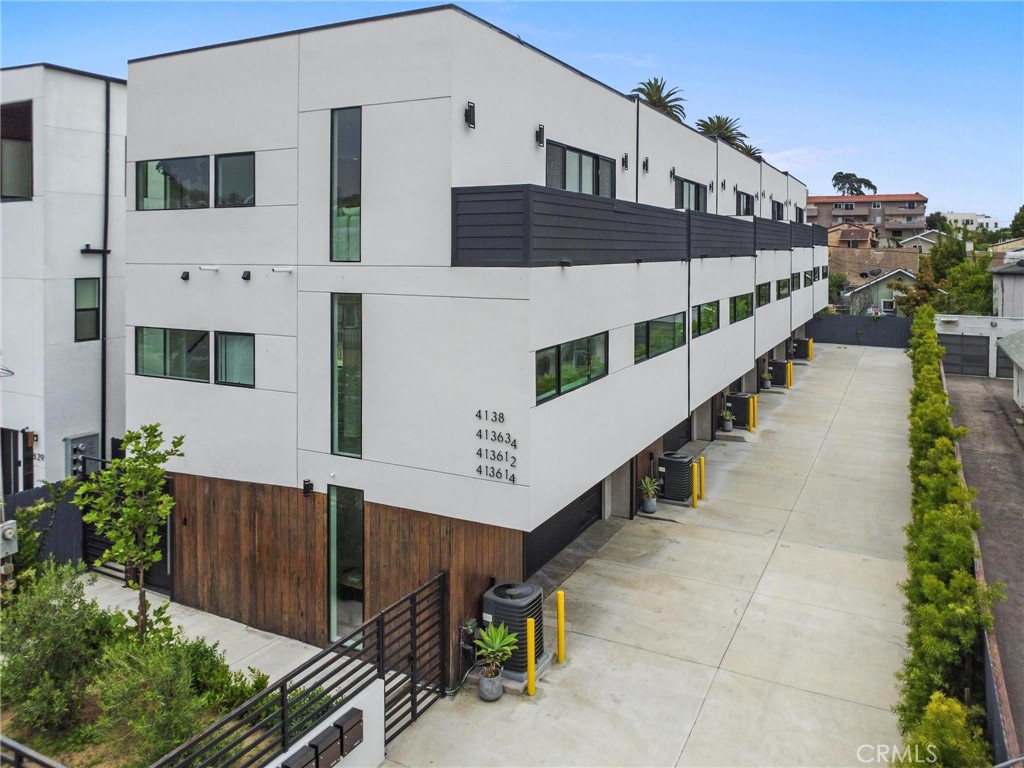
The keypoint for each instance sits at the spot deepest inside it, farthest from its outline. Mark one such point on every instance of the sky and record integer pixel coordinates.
(915, 96)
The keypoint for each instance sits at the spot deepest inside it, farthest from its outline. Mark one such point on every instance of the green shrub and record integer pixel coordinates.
(52, 639)
(944, 738)
(214, 681)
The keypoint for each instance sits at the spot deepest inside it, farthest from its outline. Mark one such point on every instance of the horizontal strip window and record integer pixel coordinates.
(691, 195)
(763, 294)
(182, 182)
(235, 180)
(741, 307)
(655, 337)
(569, 366)
(172, 354)
(782, 288)
(778, 210)
(87, 308)
(235, 355)
(577, 171)
(744, 204)
(704, 318)
(795, 280)
(808, 278)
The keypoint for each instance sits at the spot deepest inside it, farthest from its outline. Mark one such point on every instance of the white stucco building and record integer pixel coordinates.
(455, 289)
(62, 222)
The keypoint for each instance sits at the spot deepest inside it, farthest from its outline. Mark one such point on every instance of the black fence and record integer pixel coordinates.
(860, 330)
(64, 540)
(13, 753)
(403, 645)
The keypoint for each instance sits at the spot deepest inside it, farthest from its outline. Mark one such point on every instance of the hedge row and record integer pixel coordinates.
(947, 607)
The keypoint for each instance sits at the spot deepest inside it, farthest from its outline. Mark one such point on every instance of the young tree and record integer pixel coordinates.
(668, 101)
(909, 297)
(836, 280)
(969, 285)
(1017, 225)
(127, 504)
(947, 253)
(935, 220)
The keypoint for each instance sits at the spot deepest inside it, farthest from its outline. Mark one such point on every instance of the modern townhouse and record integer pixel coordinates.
(62, 273)
(423, 298)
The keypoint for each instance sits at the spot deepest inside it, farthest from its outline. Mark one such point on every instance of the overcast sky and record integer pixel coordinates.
(916, 96)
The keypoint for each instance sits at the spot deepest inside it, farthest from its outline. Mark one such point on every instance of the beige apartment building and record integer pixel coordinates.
(894, 217)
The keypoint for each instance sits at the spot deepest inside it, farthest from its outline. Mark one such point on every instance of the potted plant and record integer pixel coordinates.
(766, 380)
(727, 418)
(494, 648)
(649, 493)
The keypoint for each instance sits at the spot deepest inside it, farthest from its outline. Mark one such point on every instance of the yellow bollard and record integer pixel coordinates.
(696, 484)
(702, 491)
(789, 375)
(753, 411)
(560, 597)
(810, 349)
(531, 657)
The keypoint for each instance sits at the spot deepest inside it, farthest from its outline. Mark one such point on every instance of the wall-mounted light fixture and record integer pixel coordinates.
(723, 185)
(647, 165)
(307, 487)
(625, 162)
(209, 269)
(770, 197)
(280, 269)
(247, 275)
(735, 187)
(762, 195)
(672, 173)
(639, 261)
(470, 114)
(539, 135)
(565, 263)
(184, 275)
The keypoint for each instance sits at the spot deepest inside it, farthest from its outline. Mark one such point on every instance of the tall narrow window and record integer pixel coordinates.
(782, 288)
(547, 373)
(347, 375)
(16, 151)
(763, 294)
(799, 215)
(345, 561)
(181, 182)
(778, 210)
(346, 183)
(235, 180)
(236, 359)
(87, 309)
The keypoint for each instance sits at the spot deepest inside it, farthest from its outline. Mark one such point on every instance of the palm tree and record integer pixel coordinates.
(725, 129)
(748, 149)
(653, 92)
(851, 184)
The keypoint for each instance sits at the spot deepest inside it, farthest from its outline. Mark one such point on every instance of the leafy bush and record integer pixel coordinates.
(214, 681)
(52, 639)
(944, 738)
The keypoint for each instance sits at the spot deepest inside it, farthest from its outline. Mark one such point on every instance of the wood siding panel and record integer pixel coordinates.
(819, 234)
(713, 235)
(802, 236)
(771, 235)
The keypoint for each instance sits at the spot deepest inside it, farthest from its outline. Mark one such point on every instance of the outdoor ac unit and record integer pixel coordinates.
(676, 470)
(512, 604)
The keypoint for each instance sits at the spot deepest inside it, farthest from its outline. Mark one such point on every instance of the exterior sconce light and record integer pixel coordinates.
(184, 275)
(565, 263)
(539, 135)
(646, 165)
(246, 275)
(770, 197)
(639, 261)
(625, 162)
(307, 487)
(723, 185)
(280, 269)
(735, 187)
(470, 114)
(672, 174)
(209, 269)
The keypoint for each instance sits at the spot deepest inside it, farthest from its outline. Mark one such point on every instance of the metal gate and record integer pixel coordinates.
(404, 645)
(965, 354)
(1004, 365)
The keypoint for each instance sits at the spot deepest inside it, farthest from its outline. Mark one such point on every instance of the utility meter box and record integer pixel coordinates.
(304, 758)
(8, 538)
(351, 726)
(327, 744)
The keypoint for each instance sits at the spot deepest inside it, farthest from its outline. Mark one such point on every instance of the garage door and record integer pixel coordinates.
(965, 354)
(556, 533)
(1004, 365)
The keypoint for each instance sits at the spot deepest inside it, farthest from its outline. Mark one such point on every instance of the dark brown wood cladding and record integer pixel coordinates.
(404, 548)
(253, 553)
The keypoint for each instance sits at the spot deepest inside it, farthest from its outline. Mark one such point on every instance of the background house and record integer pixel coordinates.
(852, 236)
(974, 222)
(924, 242)
(1008, 290)
(874, 296)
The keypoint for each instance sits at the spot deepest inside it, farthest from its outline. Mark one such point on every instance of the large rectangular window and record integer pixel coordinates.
(347, 374)
(778, 210)
(763, 294)
(16, 151)
(741, 307)
(235, 359)
(181, 182)
(655, 337)
(691, 196)
(172, 354)
(577, 171)
(568, 366)
(782, 288)
(744, 204)
(344, 561)
(704, 318)
(87, 309)
(235, 183)
(346, 183)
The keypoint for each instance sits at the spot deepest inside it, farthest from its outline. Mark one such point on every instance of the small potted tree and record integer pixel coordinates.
(494, 648)
(727, 417)
(766, 380)
(649, 494)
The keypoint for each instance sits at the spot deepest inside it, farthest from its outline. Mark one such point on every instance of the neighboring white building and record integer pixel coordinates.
(1012, 346)
(457, 290)
(62, 208)
(973, 221)
(1008, 289)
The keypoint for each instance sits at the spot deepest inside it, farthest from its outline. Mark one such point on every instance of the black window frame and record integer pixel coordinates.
(559, 390)
(783, 288)
(697, 328)
(798, 215)
(699, 190)
(817, 274)
(334, 256)
(341, 399)
(748, 199)
(140, 329)
(93, 312)
(216, 180)
(140, 165)
(808, 278)
(217, 335)
(563, 148)
(14, 126)
(644, 329)
(824, 272)
(765, 288)
(734, 307)
(778, 210)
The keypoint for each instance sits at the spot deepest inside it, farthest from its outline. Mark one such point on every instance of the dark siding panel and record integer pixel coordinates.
(771, 235)
(712, 235)
(860, 330)
(802, 236)
(489, 226)
(819, 235)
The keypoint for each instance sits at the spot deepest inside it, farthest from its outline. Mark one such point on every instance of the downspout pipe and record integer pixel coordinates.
(103, 276)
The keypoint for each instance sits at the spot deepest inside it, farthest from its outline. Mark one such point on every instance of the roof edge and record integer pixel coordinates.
(68, 70)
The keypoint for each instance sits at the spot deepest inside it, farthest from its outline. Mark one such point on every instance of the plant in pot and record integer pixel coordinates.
(649, 494)
(727, 418)
(766, 380)
(494, 648)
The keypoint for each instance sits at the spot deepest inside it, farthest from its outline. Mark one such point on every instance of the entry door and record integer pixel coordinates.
(9, 457)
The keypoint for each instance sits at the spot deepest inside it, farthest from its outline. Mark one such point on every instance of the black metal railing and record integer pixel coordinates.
(13, 753)
(402, 645)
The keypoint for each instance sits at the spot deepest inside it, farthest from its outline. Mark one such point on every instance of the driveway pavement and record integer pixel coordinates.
(762, 628)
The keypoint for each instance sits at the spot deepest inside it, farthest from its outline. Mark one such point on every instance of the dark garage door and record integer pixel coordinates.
(965, 354)
(1004, 365)
(557, 532)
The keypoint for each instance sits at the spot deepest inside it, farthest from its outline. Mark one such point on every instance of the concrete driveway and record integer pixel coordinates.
(762, 628)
